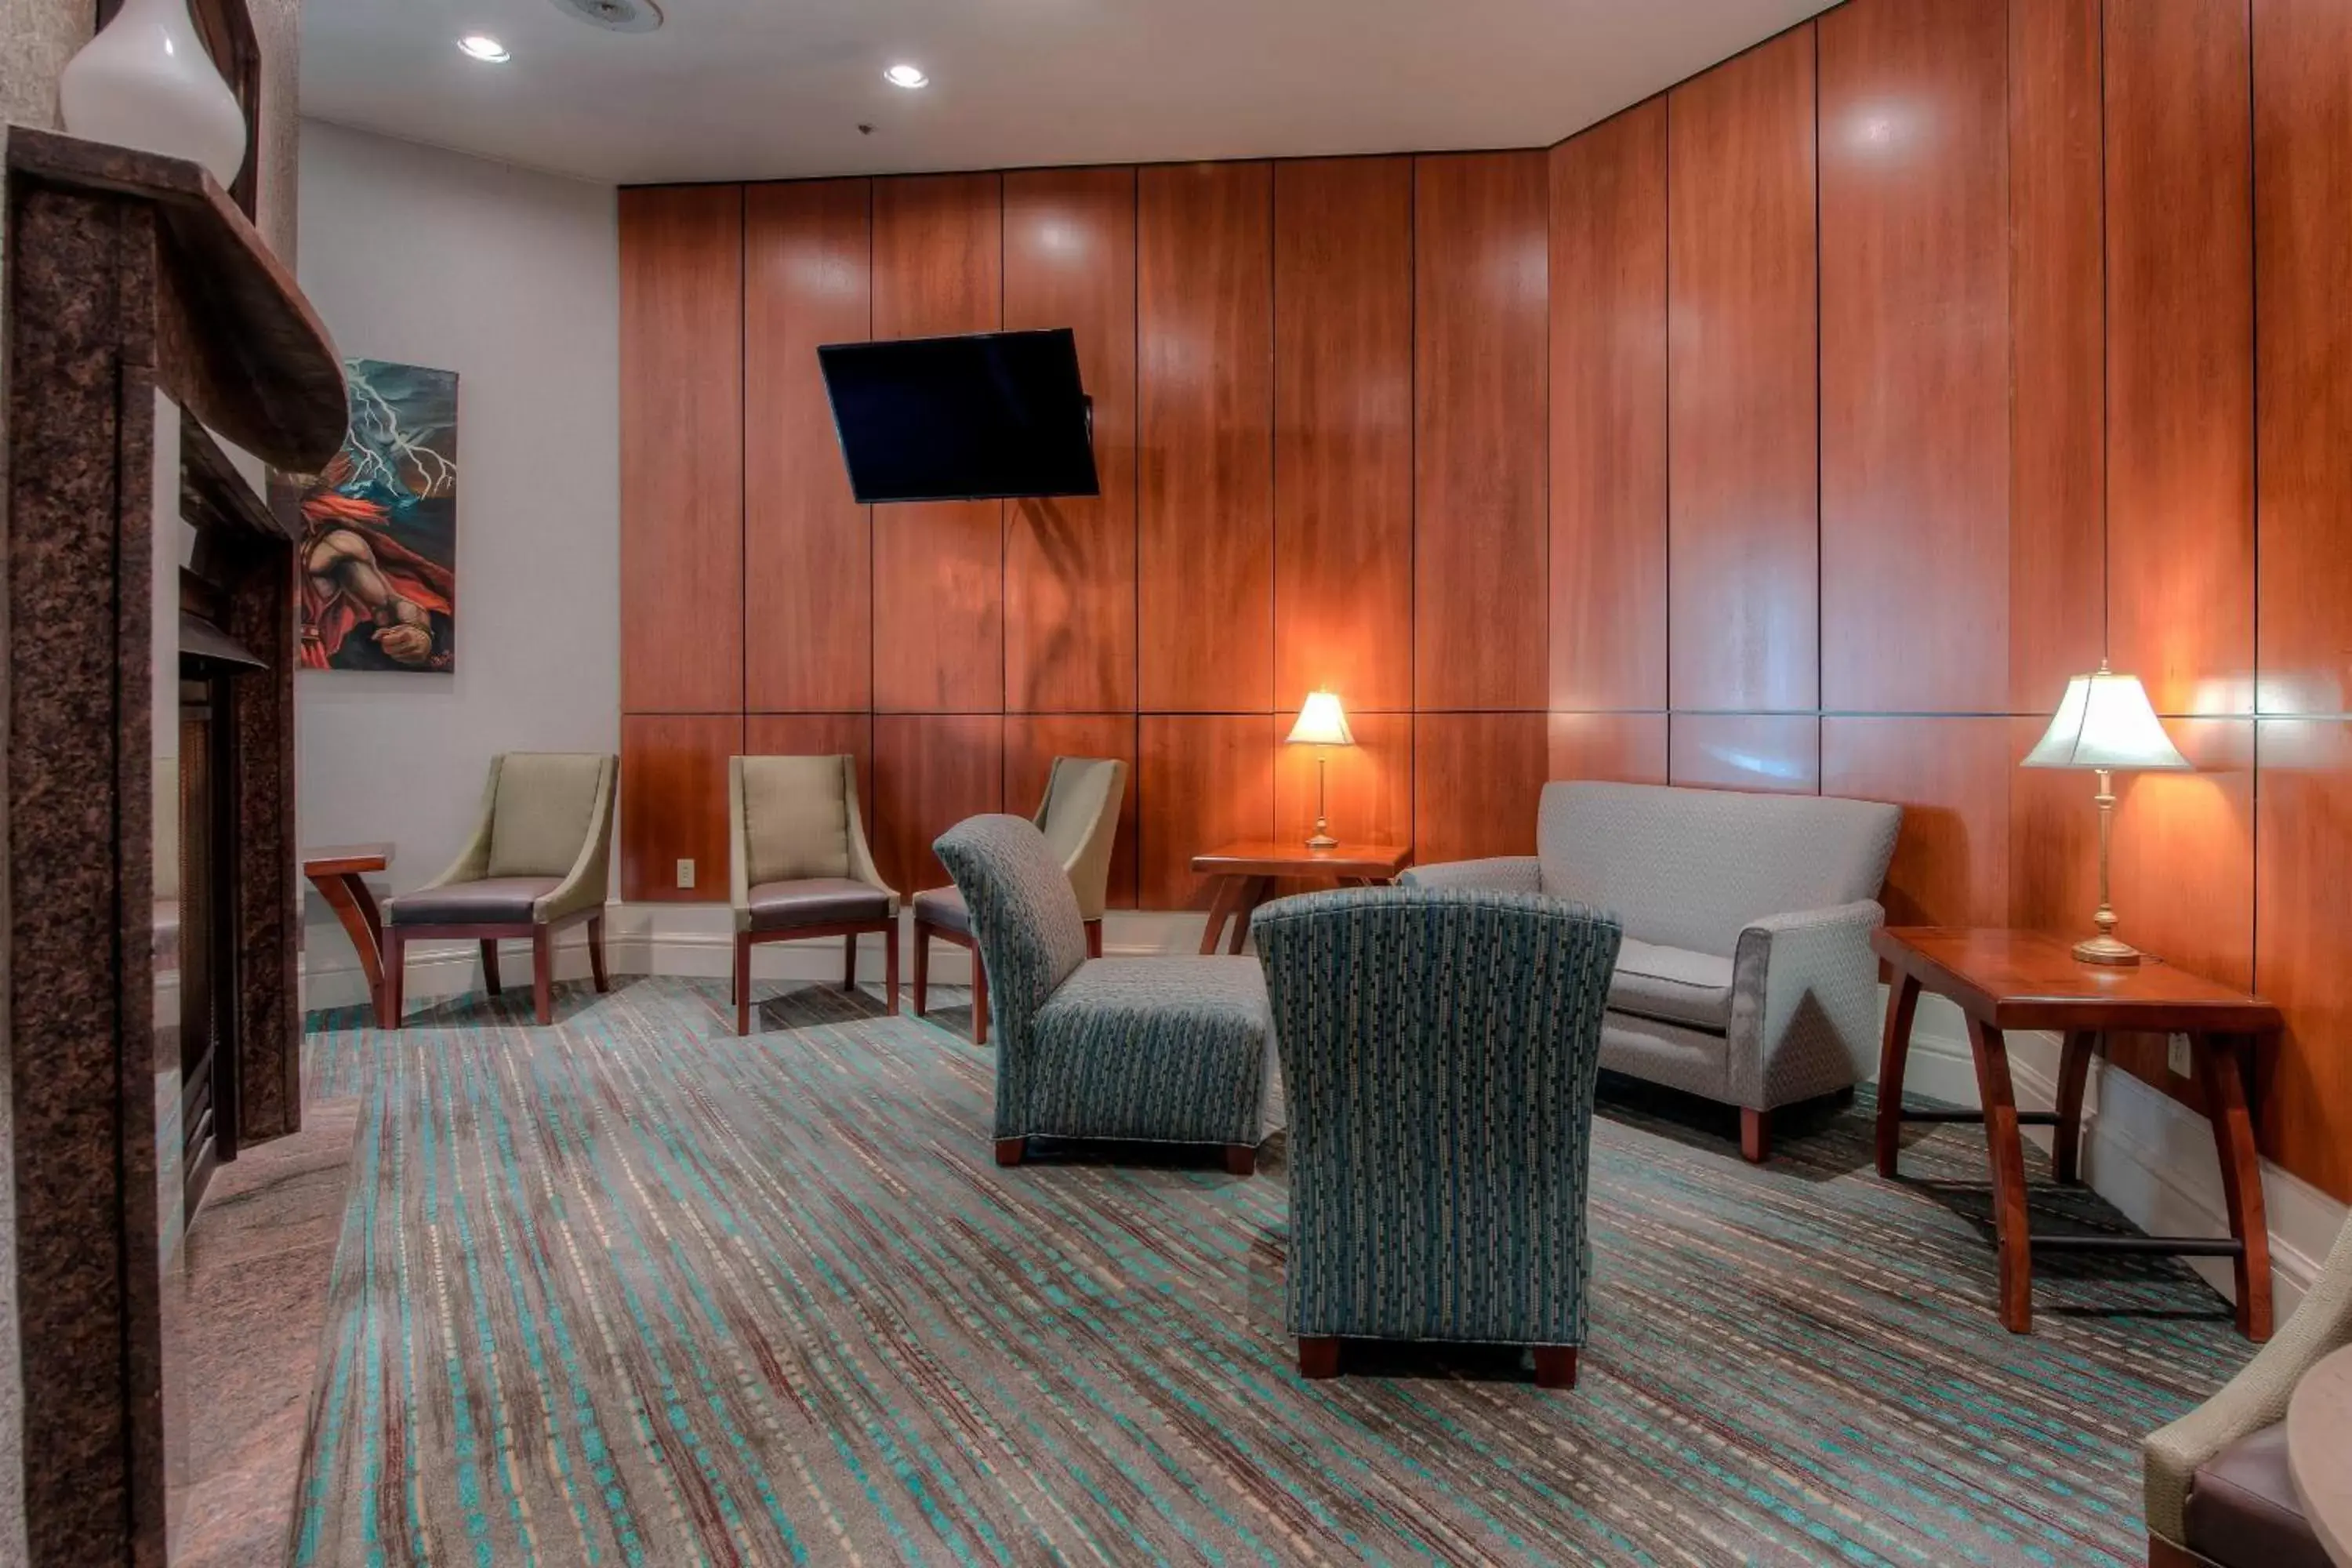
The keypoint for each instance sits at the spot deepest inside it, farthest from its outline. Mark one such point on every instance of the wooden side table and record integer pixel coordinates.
(336, 872)
(1245, 871)
(2319, 1439)
(2007, 980)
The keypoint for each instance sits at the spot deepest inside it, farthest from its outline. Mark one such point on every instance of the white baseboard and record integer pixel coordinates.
(2143, 1151)
(697, 940)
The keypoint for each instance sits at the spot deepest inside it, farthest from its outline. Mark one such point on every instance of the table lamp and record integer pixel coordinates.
(2106, 723)
(1321, 723)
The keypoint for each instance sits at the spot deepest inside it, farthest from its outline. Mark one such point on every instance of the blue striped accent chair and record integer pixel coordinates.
(1439, 1052)
(1161, 1050)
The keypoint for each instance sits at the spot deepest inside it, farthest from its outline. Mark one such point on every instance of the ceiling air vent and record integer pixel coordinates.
(614, 16)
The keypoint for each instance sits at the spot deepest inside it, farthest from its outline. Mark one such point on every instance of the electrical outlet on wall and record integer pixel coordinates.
(686, 873)
(2177, 1059)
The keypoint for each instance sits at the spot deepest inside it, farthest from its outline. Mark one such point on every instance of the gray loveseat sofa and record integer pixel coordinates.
(1747, 974)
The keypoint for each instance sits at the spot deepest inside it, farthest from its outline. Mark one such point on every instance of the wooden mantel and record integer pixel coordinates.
(127, 275)
(246, 353)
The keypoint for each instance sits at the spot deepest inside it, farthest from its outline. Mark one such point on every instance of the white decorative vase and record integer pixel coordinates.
(146, 82)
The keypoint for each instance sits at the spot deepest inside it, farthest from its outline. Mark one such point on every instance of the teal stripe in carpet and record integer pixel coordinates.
(631, 1291)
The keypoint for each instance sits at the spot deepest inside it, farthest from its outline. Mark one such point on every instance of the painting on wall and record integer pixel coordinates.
(379, 527)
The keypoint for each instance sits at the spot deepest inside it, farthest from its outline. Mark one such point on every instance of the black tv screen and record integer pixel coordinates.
(969, 418)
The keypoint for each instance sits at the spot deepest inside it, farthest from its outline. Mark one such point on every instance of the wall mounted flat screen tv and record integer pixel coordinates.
(980, 418)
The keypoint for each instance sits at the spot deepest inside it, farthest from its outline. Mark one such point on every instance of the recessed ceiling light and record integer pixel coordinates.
(905, 75)
(484, 47)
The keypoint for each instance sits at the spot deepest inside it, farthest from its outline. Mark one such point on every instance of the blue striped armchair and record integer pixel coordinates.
(1160, 1050)
(1439, 1052)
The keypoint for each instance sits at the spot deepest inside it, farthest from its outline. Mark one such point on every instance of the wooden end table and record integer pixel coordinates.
(336, 872)
(2007, 980)
(2318, 1436)
(1243, 871)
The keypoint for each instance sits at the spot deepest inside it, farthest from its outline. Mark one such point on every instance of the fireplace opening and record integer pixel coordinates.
(211, 666)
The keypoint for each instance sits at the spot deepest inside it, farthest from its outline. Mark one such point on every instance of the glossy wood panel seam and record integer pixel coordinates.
(1821, 616)
(873, 533)
(1666, 415)
(742, 450)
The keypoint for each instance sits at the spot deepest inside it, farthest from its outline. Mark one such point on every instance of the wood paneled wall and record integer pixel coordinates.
(1799, 428)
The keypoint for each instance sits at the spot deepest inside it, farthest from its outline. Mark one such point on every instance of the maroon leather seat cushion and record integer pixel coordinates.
(816, 902)
(494, 901)
(944, 908)
(2242, 1510)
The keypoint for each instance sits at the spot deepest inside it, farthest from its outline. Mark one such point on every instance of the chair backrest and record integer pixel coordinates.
(793, 817)
(1439, 1048)
(1079, 817)
(1692, 868)
(1024, 914)
(544, 808)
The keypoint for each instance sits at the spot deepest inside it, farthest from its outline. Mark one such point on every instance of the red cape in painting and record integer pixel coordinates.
(328, 616)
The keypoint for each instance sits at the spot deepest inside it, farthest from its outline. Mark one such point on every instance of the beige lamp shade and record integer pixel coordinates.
(2105, 720)
(1322, 722)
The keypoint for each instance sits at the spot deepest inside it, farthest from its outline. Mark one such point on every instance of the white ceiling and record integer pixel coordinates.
(767, 88)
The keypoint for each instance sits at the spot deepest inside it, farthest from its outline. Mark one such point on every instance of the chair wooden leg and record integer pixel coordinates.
(490, 965)
(743, 982)
(849, 961)
(396, 975)
(979, 1000)
(922, 970)
(1094, 939)
(1011, 1151)
(890, 969)
(1241, 1160)
(1318, 1356)
(1554, 1367)
(1755, 1136)
(596, 952)
(542, 976)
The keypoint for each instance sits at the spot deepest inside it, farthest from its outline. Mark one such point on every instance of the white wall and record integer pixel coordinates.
(511, 279)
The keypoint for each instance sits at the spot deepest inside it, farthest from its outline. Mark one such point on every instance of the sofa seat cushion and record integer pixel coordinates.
(944, 908)
(1695, 1061)
(816, 902)
(493, 900)
(1173, 1049)
(1673, 984)
(2243, 1508)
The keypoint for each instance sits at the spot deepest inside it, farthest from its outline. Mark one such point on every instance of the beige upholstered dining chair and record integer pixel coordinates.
(798, 866)
(537, 861)
(1079, 817)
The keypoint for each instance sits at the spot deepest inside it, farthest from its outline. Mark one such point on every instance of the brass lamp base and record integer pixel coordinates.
(2106, 948)
(1322, 839)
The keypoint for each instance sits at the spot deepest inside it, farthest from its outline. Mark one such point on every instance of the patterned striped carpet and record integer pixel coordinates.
(631, 1291)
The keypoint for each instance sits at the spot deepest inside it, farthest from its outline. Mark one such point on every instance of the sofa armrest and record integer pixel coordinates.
(1804, 1005)
(1505, 873)
(2257, 1397)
